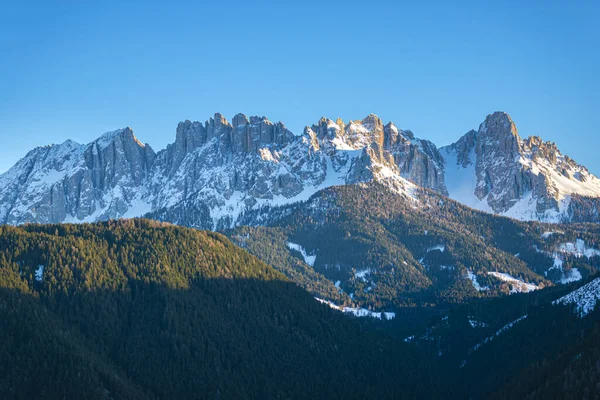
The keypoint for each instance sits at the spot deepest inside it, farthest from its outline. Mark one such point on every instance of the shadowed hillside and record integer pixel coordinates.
(138, 309)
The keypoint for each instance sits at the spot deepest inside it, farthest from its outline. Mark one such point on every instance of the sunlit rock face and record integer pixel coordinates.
(217, 170)
(493, 169)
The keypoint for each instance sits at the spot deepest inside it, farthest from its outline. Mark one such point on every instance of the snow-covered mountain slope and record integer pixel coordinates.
(253, 163)
(584, 299)
(71, 182)
(496, 171)
(218, 170)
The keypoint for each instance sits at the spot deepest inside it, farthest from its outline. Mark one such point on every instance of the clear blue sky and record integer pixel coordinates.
(70, 70)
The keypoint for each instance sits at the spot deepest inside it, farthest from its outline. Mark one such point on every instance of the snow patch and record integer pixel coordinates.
(362, 274)
(310, 260)
(473, 278)
(572, 275)
(389, 315)
(567, 276)
(517, 285)
(461, 182)
(439, 247)
(546, 235)
(476, 324)
(584, 298)
(359, 312)
(39, 273)
(266, 155)
(578, 249)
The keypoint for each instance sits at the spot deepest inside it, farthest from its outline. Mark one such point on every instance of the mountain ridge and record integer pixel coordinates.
(227, 167)
(527, 179)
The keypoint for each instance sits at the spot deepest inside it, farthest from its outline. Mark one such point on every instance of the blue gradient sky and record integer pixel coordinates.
(70, 70)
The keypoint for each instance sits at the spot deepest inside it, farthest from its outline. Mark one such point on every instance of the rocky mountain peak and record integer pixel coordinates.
(326, 128)
(123, 139)
(383, 145)
(367, 131)
(390, 132)
(240, 120)
(107, 137)
(70, 143)
(545, 150)
(255, 119)
(372, 122)
(391, 125)
(495, 170)
(250, 135)
(218, 119)
(499, 128)
(222, 168)
(189, 135)
(497, 147)
(217, 126)
(118, 155)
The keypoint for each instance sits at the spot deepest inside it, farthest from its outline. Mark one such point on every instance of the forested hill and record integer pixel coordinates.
(386, 252)
(140, 309)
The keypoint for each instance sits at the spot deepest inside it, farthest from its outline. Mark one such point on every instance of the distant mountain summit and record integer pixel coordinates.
(494, 170)
(217, 170)
(71, 182)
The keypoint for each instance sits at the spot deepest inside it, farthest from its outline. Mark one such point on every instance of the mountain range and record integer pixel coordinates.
(358, 218)
(218, 171)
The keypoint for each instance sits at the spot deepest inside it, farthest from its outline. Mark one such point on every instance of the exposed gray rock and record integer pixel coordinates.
(221, 170)
(418, 160)
(499, 176)
(73, 182)
(526, 179)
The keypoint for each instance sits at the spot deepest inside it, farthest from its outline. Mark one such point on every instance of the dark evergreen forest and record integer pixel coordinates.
(138, 309)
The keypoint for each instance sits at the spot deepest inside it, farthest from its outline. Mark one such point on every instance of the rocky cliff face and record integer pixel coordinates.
(74, 182)
(416, 160)
(228, 166)
(219, 170)
(495, 170)
(252, 162)
(419, 160)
